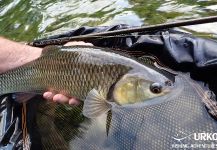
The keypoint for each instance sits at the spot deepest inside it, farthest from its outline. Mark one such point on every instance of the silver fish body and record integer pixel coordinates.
(95, 75)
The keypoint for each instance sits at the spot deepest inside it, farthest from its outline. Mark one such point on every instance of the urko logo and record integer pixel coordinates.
(205, 136)
(201, 140)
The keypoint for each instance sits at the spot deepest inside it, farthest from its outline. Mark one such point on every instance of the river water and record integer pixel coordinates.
(25, 20)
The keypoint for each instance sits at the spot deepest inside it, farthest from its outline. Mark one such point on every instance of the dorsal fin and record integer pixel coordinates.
(50, 49)
(154, 63)
(147, 60)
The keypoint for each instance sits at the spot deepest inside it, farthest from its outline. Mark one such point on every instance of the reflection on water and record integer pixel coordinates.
(30, 19)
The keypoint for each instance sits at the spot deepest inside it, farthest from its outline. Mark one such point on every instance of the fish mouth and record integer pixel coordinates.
(168, 86)
(168, 89)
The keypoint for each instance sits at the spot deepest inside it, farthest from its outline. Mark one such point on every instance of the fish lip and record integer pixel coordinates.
(168, 89)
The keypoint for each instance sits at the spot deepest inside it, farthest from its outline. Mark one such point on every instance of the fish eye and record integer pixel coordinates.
(156, 88)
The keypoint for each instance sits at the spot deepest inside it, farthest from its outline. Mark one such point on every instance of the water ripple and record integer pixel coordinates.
(30, 19)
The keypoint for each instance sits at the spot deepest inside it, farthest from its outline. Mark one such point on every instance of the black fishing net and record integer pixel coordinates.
(178, 120)
(163, 125)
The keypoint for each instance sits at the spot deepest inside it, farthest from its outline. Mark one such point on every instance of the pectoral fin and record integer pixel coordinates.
(95, 104)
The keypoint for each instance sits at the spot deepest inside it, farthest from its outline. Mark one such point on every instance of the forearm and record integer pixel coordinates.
(13, 54)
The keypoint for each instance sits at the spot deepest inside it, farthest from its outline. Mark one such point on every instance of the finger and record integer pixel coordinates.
(73, 101)
(60, 98)
(77, 43)
(48, 95)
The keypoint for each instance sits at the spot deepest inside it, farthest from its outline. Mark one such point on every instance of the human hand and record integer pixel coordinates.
(60, 98)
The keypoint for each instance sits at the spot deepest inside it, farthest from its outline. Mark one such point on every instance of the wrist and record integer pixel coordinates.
(15, 54)
(27, 54)
(30, 53)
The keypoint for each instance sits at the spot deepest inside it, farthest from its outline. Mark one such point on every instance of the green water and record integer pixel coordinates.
(25, 20)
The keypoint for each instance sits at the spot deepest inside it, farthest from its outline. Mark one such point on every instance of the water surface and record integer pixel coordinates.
(25, 20)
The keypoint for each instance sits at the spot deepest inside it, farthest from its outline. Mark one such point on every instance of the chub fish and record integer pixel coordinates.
(99, 76)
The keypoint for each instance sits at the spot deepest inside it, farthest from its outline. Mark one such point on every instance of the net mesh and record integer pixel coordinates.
(158, 126)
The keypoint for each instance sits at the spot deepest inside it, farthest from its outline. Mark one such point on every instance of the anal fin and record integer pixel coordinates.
(108, 121)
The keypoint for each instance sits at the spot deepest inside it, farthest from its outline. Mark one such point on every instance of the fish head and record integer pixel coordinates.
(137, 87)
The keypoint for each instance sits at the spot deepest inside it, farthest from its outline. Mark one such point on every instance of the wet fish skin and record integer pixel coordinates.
(70, 72)
(74, 70)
